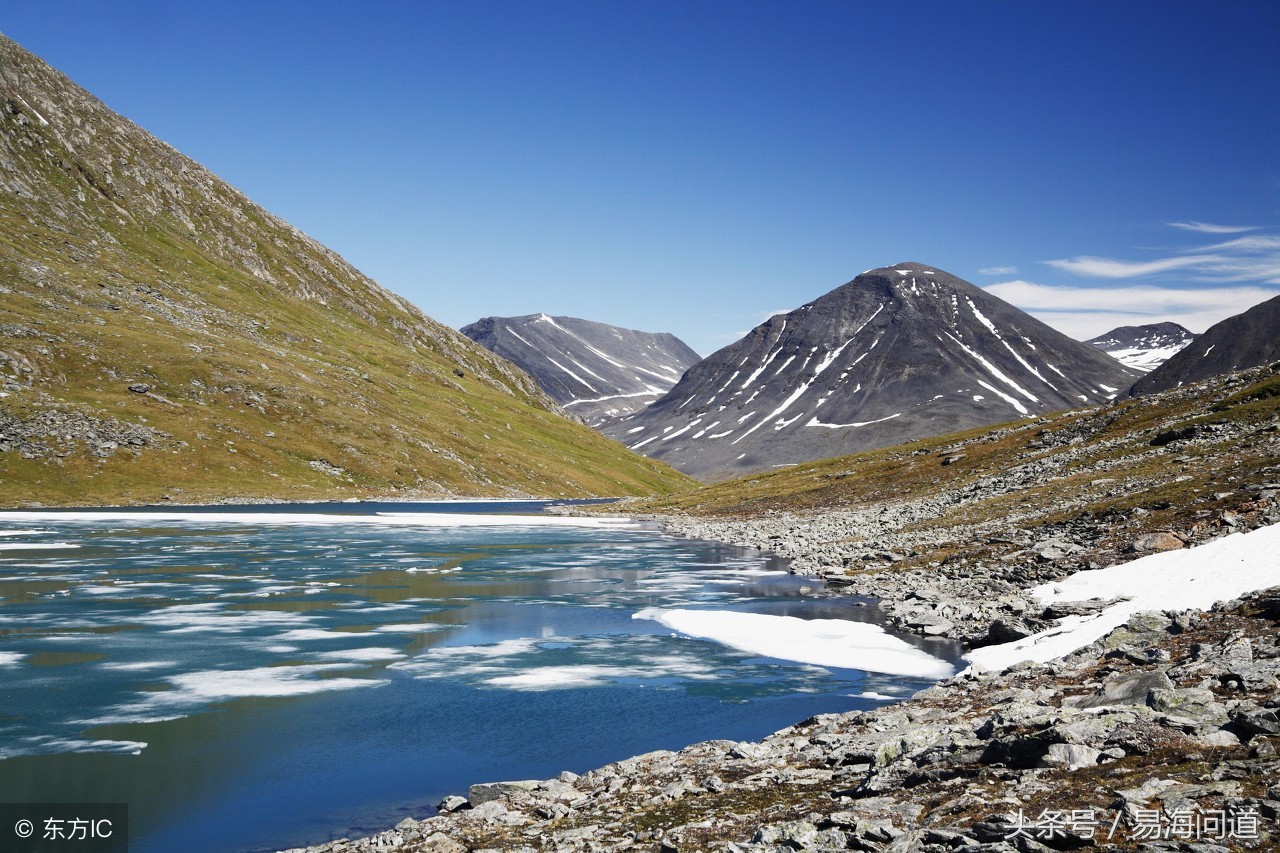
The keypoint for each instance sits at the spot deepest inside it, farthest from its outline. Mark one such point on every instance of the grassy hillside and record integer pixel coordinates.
(1169, 461)
(261, 363)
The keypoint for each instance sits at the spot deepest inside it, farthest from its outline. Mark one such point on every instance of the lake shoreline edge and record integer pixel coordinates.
(906, 776)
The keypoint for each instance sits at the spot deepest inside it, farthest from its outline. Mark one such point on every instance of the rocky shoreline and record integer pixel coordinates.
(1161, 736)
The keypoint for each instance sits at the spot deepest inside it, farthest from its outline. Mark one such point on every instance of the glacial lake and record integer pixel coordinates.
(264, 677)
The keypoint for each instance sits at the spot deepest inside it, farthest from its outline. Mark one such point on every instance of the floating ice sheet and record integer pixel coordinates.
(825, 642)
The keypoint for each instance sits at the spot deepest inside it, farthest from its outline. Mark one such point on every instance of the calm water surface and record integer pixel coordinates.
(255, 685)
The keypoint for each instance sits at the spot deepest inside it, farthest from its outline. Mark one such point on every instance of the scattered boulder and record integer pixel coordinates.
(1163, 541)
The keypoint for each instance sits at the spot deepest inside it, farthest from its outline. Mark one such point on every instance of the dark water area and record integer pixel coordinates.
(264, 677)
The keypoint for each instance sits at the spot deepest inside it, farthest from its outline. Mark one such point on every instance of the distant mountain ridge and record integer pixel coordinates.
(593, 370)
(1245, 340)
(1144, 347)
(164, 338)
(898, 353)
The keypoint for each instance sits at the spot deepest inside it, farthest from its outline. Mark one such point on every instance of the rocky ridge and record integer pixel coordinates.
(1144, 347)
(595, 371)
(899, 353)
(1246, 340)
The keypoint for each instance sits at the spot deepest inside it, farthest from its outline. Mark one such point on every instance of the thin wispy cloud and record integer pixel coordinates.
(1253, 258)
(1111, 268)
(1085, 312)
(998, 271)
(1210, 228)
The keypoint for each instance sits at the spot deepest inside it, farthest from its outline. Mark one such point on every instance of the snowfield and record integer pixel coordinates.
(1194, 578)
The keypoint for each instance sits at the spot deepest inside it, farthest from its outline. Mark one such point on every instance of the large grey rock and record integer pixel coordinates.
(489, 791)
(1132, 689)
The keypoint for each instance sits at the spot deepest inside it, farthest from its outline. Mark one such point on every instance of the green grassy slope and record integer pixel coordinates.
(273, 368)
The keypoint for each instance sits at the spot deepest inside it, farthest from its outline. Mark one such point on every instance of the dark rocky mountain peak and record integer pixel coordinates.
(595, 371)
(1245, 340)
(899, 353)
(1143, 347)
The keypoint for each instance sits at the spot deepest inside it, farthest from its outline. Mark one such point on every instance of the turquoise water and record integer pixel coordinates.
(259, 683)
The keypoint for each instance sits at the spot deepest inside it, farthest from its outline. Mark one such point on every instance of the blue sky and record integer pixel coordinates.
(696, 166)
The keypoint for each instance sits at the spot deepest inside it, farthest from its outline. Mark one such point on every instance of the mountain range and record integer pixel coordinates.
(1244, 340)
(1144, 347)
(899, 353)
(164, 338)
(594, 371)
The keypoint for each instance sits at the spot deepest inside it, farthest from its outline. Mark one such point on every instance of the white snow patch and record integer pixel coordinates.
(871, 694)
(993, 370)
(36, 546)
(683, 429)
(575, 376)
(10, 658)
(795, 395)
(728, 382)
(1010, 400)
(1220, 570)
(649, 391)
(814, 422)
(381, 519)
(521, 337)
(756, 374)
(1147, 360)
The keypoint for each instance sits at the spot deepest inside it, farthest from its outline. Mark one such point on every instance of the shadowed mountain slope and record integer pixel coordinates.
(595, 371)
(899, 353)
(1245, 340)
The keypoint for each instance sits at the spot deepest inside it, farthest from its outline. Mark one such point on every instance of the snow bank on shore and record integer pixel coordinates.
(1220, 570)
(823, 642)
(385, 519)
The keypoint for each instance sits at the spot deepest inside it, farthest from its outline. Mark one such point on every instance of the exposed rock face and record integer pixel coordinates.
(1144, 347)
(1245, 340)
(898, 353)
(595, 371)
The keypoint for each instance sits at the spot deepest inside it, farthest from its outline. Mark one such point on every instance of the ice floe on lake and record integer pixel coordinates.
(825, 642)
